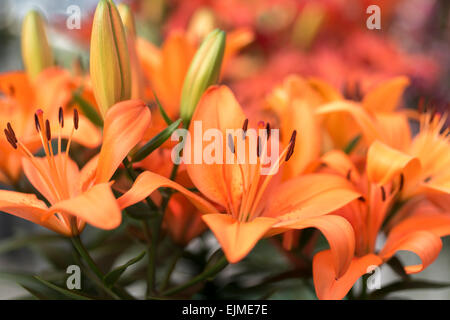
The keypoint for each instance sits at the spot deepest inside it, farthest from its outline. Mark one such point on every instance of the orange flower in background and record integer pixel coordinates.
(418, 231)
(51, 90)
(241, 205)
(165, 68)
(75, 196)
(375, 117)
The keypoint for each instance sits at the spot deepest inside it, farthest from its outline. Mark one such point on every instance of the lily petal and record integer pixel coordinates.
(125, 125)
(97, 206)
(217, 109)
(325, 282)
(340, 235)
(29, 207)
(386, 97)
(425, 244)
(384, 163)
(309, 196)
(237, 238)
(147, 182)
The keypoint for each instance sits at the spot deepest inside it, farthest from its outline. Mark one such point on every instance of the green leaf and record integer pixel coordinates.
(407, 285)
(111, 278)
(31, 284)
(155, 142)
(161, 109)
(88, 110)
(352, 144)
(68, 293)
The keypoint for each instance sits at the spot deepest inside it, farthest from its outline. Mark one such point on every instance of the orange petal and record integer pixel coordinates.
(301, 117)
(125, 125)
(236, 40)
(325, 90)
(28, 207)
(97, 206)
(16, 85)
(384, 163)
(217, 109)
(339, 234)
(365, 120)
(395, 129)
(386, 97)
(325, 282)
(309, 196)
(340, 162)
(147, 182)
(425, 244)
(237, 238)
(34, 176)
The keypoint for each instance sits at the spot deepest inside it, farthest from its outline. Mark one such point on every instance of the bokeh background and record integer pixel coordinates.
(324, 38)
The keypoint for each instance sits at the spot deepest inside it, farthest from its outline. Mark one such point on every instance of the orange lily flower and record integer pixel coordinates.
(375, 116)
(75, 196)
(52, 88)
(240, 204)
(418, 231)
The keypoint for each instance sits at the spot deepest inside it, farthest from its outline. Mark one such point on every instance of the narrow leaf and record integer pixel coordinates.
(161, 109)
(155, 142)
(111, 278)
(68, 293)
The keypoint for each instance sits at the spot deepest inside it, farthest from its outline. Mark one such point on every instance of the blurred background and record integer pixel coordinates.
(324, 38)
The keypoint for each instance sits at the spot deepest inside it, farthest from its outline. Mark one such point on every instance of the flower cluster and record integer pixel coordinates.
(336, 181)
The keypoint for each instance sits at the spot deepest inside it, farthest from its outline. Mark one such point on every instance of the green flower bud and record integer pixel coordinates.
(203, 72)
(109, 63)
(36, 52)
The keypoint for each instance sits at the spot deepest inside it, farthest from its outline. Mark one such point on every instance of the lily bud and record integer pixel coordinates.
(36, 52)
(127, 19)
(137, 76)
(109, 60)
(203, 72)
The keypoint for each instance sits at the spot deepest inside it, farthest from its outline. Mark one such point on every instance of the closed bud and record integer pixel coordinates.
(127, 19)
(203, 72)
(109, 60)
(36, 52)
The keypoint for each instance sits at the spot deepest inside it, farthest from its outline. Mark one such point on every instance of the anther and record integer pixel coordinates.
(10, 139)
(291, 146)
(268, 130)
(12, 91)
(61, 117)
(244, 128)
(383, 194)
(11, 132)
(362, 199)
(427, 179)
(36, 123)
(258, 147)
(48, 132)
(75, 118)
(402, 182)
(231, 143)
(349, 175)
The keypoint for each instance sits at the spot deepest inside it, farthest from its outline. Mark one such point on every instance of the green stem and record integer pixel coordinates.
(116, 292)
(171, 268)
(219, 266)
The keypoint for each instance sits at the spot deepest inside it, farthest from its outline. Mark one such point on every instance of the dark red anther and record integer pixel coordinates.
(61, 117)
(244, 128)
(12, 91)
(383, 194)
(11, 132)
(36, 123)
(349, 175)
(268, 130)
(76, 118)
(362, 199)
(48, 131)
(258, 147)
(231, 143)
(402, 182)
(10, 139)
(291, 146)
(427, 179)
